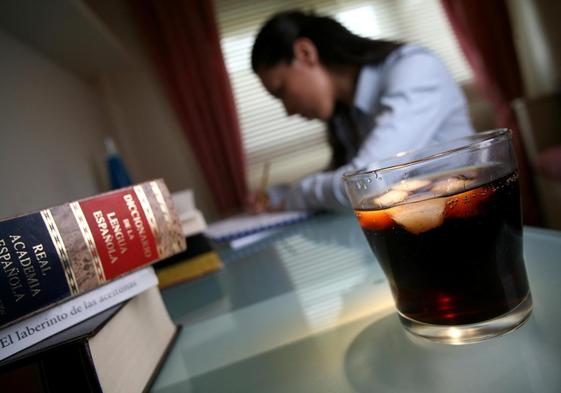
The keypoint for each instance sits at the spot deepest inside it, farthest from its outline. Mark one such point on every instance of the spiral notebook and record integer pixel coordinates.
(245, 225)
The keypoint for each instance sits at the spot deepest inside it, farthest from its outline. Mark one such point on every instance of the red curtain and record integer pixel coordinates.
(185, 46)
(483, 30)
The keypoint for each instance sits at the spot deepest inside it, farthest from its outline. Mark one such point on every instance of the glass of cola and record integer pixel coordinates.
(445, 225)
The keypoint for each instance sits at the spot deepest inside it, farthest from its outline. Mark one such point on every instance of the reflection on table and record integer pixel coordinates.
(308, 310)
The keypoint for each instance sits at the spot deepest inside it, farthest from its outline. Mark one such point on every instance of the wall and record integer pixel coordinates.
(51, 131)
(146, 128)
(150, 138)
(538, 43)
(71, 74)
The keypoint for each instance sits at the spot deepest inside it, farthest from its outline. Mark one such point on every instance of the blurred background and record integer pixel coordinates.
(170, 83)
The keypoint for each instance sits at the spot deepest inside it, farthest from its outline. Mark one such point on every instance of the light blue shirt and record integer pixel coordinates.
(409, 101)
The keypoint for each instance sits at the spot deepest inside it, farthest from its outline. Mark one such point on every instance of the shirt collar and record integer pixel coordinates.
(368, 88)
(369, 84)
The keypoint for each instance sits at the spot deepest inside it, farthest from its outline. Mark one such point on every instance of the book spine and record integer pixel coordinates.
(28, 332)
(188, 269)
(57, 253)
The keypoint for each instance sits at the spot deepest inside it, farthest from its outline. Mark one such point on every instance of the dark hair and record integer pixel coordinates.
(336, 45)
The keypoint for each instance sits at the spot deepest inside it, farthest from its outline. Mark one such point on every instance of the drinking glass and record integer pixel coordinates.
(445, 224)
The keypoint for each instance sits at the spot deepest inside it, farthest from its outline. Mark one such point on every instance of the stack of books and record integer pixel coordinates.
(79, 305)
(200, 258)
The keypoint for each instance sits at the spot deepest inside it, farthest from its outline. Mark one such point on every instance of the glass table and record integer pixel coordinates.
(308, 309)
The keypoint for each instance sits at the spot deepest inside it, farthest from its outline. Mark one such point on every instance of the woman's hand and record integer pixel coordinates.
(259, 202)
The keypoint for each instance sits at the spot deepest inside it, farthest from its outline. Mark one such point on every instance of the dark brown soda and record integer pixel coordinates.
(468, 269)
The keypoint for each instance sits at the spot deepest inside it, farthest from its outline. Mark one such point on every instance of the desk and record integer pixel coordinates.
(309, 310)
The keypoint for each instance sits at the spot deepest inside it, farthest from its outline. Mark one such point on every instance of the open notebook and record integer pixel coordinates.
(245, 225)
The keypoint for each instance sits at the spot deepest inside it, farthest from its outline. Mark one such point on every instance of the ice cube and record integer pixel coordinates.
(419, 217)
(451, 185)
(422, 196)
(411, 185)
(391, 198)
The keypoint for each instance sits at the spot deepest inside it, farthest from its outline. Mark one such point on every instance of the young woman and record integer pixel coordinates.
(377, 97)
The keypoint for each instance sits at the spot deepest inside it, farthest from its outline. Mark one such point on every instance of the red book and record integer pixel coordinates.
(52, 255)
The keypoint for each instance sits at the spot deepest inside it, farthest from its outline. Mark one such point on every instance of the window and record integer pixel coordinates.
(294, 146)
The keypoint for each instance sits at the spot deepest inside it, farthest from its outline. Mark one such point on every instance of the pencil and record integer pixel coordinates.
(265, 177)
(262, 197)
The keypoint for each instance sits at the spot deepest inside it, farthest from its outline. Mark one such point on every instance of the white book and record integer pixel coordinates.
(192, 222)
(38, 327)
(243, 225)
(191, 218)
